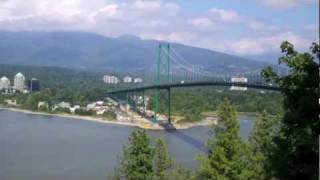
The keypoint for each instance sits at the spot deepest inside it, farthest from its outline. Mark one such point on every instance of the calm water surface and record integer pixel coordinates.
(37, 147)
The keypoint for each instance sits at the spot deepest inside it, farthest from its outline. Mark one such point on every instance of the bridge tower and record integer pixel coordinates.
(162, 76)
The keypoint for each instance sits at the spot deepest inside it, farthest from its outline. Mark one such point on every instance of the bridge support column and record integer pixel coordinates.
(156, 105)
(143, 103)
(169, 106)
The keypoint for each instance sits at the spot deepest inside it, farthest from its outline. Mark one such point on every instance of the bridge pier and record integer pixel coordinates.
(143, 103)
(169, 106)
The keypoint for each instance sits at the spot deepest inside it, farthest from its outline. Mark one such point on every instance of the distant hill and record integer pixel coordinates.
(91, 51)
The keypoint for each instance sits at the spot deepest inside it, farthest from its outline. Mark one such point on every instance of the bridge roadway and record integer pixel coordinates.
(195, 84)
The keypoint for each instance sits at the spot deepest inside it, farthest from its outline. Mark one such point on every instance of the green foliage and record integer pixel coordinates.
(162, 161)
(62, 110)
(296, 145)
(84, 112)
(110, 115)
(61, 84)
(136, 162)
(181, 173)
(227, 156)
(142, 161)
(191, 102)
(30, 101)
(264, 130)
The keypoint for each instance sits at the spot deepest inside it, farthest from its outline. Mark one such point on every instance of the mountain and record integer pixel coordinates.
(92, 51)
(272, 57)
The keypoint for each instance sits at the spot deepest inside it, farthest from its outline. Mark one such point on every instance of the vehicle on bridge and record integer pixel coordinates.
(239, 80)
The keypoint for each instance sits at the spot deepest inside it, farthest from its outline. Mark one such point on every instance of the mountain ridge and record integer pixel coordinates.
(84, 50)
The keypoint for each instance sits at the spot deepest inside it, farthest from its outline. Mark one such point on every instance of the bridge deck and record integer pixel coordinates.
(194, 84)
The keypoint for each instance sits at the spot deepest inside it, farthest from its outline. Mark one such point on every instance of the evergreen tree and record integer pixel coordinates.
(227, 158)
(136, 163)
(181, 173)
(296, 147)
(260, 146)
(162, 161)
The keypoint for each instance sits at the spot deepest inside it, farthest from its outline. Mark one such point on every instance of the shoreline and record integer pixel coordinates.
(149, 126)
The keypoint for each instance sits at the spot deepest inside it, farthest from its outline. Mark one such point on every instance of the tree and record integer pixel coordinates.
(296, 145)
(181, 173)
(136, 162)
(260, 146)
(227, 152)
(32, 101)
(162, 161)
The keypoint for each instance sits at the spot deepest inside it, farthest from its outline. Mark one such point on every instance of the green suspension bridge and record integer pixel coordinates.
(173, 71)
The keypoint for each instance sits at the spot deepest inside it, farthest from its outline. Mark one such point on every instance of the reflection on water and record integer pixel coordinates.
(35, 147)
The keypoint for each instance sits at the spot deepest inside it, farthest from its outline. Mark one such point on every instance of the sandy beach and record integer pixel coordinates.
(142, 125)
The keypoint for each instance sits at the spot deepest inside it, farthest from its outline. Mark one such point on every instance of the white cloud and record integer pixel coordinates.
(259, 45)
(202, 22)
(178, 37)
(215, 19)
(261, 27)
(285, 4)
(156, 7)
(224, 15)
(95, 15)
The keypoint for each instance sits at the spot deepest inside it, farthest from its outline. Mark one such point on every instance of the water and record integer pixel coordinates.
(37, 147)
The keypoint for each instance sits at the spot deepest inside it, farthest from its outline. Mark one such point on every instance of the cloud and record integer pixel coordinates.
(261, 27)
(224, 15)
(81, 15)
(215, 19)
(285, 4)
(178, 37)
(259, 45)
(202, 22)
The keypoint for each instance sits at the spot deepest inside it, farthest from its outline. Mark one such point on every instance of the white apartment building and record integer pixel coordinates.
(19, 82)
(4, 83)
(110, 79)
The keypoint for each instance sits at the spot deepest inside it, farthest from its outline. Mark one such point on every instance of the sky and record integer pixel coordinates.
(241, 27)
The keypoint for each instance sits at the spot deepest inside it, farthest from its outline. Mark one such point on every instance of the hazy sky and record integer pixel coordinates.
(242, 27)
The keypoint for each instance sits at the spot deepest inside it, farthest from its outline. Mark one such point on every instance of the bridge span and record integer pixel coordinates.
(165, 80)
(197, 84)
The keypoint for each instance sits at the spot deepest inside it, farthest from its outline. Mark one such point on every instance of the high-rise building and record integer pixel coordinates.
(33, 85)
(19, 82)
(4, 83)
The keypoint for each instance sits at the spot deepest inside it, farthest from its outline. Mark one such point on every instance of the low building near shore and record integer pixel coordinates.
(11, 102)
(138, 80)
(43, 104)
(91, 106)
(74, 108)
(99, 103)
(101, 112)
(62, 105)
(127, 79)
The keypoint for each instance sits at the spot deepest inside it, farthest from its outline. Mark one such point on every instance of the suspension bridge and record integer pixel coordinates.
(173, 71)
